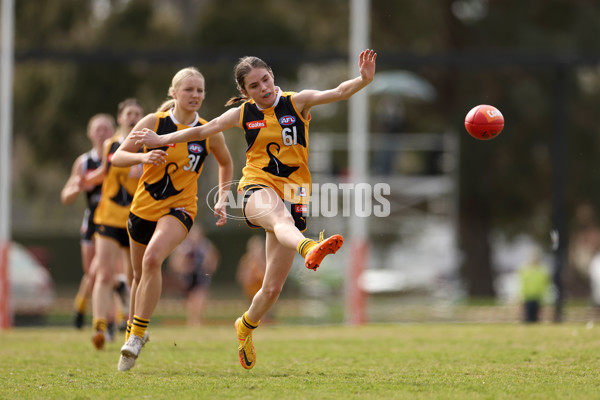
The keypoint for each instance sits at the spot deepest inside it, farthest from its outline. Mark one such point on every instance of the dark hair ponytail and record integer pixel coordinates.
(235, 99)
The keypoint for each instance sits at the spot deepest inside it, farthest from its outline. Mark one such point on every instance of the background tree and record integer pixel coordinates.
(73, 62)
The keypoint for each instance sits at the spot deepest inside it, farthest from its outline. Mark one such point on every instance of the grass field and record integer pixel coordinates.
(422, 361)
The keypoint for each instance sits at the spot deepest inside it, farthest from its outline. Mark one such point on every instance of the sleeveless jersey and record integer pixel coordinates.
(118, 189)
(92, 161)
(172, 185)
(277, 153)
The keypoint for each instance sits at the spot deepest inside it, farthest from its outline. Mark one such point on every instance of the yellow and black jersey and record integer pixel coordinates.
(277, 153)
(172, 185)
(118, 189)
(91, 161)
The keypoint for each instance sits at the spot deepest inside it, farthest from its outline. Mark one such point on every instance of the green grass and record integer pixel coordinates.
(422, 361)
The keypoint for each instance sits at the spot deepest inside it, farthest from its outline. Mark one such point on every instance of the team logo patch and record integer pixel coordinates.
(256, 124)
(195, 148)
(287, 120)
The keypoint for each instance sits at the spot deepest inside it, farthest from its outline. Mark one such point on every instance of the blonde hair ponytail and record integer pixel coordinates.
(166, 105)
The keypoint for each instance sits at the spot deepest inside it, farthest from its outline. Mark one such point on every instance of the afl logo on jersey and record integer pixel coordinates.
(287, 120)
(195, 148)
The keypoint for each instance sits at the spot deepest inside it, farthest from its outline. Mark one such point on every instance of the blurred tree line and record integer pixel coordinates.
(75, 58)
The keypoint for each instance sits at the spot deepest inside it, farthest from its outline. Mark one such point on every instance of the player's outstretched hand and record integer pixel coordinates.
(146, 137)
(366, 64)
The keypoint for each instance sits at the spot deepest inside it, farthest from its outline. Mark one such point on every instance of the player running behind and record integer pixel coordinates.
(165, 203)
(100, 127)
(112, 241)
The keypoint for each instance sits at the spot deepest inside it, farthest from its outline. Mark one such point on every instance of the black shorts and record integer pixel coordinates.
(88, 228)
(299, 211)
(141, 230)
(117, 234)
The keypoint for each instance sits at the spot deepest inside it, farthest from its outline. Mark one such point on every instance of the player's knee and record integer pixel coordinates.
(152, 261)
(136, 277)
(104, 277)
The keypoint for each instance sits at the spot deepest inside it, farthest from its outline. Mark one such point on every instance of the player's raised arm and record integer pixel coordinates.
(96, 176)
(308, 98)
(150, 139)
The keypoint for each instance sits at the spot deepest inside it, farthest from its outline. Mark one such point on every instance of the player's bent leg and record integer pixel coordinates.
(104, 264)
(87, 255)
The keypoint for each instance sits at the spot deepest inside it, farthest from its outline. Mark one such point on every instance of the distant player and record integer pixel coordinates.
(195, 261)
(100, 128)
(251, 269)
(112, 241)
(252, 266)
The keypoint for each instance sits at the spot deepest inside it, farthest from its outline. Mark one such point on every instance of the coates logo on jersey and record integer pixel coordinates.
(195, 148)
(287, 120)
(256, 124)
(301, 208)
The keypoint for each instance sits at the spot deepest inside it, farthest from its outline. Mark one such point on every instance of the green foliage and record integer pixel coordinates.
(503, 57)
(287, 26)
(59, 24)
(244, 26)
(370, 362)
(137, 26)
(408, 25)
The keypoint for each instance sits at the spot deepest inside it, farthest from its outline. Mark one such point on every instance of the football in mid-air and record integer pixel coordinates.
(484, 122)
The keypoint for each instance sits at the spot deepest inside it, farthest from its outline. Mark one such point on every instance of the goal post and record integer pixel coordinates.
(358, 147)
(5, 306)
(6, 96)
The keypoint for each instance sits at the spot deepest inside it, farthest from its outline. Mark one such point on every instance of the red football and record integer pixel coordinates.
(484, 122)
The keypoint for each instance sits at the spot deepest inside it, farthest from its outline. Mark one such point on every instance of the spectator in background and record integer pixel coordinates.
(251, 270)
(195, 260)
(252, 266)
(535, 281)
(100, 128)
(392, 121)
